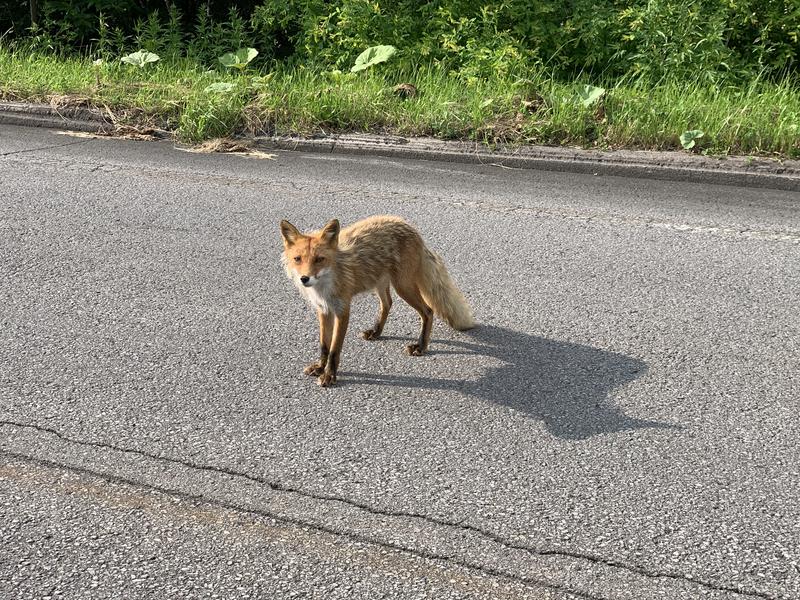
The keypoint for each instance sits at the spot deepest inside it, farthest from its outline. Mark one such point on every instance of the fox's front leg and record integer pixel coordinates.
(325, 337)
(328, 376)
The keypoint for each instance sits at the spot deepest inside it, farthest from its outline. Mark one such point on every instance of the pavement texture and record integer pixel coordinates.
(621, 425)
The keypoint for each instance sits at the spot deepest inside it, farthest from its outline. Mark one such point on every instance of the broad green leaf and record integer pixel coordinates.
(140, 58)
(219, 87)
(261, 82)
(373, 56)
(688, 138)
(590, 94)
(238, 59)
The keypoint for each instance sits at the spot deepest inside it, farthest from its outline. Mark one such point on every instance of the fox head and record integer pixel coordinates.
(309, 258)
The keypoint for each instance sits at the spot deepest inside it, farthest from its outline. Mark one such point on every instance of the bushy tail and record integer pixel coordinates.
(442, 295)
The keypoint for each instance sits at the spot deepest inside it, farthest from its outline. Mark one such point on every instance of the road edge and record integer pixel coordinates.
(671, 166)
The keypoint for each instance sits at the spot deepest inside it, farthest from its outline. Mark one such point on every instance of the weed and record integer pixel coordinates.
(239, 59)
(689, 138)
(141, 58)
(372, 56)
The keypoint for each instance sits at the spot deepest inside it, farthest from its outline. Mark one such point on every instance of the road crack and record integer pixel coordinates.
(377, 511)
(48, 147)
(231, 506)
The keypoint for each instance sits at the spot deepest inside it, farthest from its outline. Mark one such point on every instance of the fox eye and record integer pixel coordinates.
(297, 259)
(319, 259)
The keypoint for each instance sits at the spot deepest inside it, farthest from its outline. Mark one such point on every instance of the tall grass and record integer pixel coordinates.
(762, 117)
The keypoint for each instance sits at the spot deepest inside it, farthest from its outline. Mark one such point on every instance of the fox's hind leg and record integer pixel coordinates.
(385, 296)
(410, 293)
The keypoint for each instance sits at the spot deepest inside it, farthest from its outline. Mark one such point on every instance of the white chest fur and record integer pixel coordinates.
(318, 299)
(320, 295)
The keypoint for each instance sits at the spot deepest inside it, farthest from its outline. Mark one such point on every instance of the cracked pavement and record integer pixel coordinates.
(623, 423)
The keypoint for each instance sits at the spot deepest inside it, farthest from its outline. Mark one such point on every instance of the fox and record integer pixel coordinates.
(332, 265)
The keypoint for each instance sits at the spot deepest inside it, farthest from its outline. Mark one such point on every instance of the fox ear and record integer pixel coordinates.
(289, 232)
(330, 233)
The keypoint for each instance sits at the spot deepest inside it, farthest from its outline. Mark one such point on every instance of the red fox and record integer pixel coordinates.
(331, 266)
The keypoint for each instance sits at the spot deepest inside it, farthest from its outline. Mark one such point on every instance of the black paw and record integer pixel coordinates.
(326, 380)
(415, 350)
(314, 369)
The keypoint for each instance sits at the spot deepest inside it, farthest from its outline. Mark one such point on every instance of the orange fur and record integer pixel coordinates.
(331, 266)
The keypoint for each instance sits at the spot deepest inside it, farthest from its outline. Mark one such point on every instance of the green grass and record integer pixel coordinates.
(760, 118)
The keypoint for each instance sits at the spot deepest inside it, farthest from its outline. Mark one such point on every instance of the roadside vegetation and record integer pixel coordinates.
(703, 75)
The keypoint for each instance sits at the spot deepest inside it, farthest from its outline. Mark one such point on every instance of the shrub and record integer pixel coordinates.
(712, 39)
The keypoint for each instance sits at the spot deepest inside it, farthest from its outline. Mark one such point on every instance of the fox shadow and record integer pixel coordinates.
(565, 385)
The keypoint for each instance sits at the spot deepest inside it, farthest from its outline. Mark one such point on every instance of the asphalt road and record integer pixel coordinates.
(623, 424)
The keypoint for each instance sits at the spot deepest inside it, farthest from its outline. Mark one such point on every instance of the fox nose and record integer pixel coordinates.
(304, 279)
